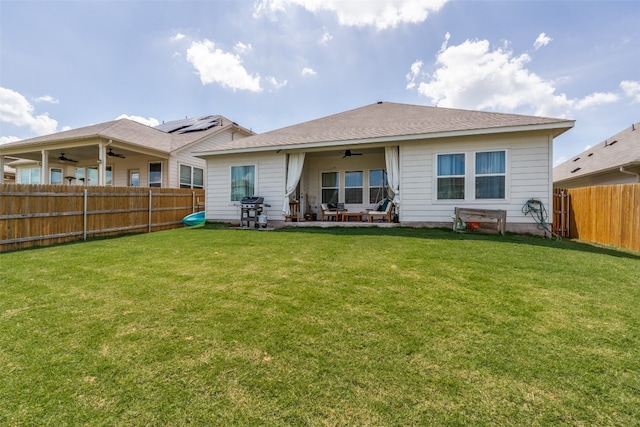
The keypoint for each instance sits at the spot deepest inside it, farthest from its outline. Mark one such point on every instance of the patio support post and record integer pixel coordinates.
(102, 164)
(44, 168)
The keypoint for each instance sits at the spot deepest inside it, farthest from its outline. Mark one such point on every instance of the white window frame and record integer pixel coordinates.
(322, 188)
(51, 176)
(382, 190)
(495, 174)
(360, 187)
(470, 176)
(255, 180)
(155, 184)
(31, 175)
(192, 170)
(464, 176)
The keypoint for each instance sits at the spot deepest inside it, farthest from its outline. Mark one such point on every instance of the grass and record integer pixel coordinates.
(214, 326)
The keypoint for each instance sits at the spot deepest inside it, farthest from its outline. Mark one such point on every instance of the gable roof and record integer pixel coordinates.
(129, 132)
(622, 149)
(387, 121)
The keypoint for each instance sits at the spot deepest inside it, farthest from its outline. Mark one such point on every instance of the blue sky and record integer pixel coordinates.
(272, 63)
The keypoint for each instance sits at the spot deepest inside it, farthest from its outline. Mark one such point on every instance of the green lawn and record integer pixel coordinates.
(377, 327)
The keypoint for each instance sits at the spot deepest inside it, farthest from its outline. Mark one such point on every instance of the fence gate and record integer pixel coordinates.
(561, 213)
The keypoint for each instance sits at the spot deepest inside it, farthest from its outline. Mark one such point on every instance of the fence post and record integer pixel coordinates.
(193, 202)
(150, 204)
(84, 217)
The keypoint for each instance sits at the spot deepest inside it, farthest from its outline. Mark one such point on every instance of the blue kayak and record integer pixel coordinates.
(194, 219)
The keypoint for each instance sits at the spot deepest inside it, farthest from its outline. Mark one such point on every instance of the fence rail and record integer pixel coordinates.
(41, 215)
(608, 214)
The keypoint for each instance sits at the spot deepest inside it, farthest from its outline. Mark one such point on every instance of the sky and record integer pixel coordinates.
(267, 64)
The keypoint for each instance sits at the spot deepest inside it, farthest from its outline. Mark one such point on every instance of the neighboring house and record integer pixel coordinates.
(434, 160)
(614, 161)
(9, 173)
(122, 153)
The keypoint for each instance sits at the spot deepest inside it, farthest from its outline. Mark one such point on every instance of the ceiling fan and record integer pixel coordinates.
(110, 153)
(62, 158)
(348, 153)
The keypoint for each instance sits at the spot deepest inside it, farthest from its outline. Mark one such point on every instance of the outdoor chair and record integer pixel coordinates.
(294, 212)
(329, 213)
(383, 211)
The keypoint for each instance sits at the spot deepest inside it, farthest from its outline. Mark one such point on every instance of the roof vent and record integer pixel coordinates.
(576, 159)
(590, 154)
(575, 170)
(609, 144)
(379, 102)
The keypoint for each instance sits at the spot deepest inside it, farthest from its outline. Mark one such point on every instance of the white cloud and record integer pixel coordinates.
(149, 122)
(224, 68)
(381, 14)
(242, 48)
(475, 76)
(275, 83)
(178, 37)
(8, 139)
(15, 109)
(416, 71)
(631, 89)
(326, 37)
(48, 99)
(595, 99)
(541, 41)
(308, 71)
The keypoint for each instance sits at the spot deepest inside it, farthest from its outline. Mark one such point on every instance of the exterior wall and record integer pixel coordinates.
(184, 156)
(270, 183)
(332, 161)
(528, 175)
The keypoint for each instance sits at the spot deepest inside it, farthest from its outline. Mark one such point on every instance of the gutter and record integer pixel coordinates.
(623, 170)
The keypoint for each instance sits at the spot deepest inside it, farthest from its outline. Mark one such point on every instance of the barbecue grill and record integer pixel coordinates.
(250, 210)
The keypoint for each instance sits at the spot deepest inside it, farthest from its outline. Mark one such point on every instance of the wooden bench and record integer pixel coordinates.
(482, 214)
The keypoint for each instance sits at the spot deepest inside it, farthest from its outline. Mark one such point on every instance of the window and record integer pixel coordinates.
(330, 187)
(191, 177)
(490, 175)
(134, 178)
(30, 176)
(451, 172)
(243, 182)
(80, 176)
(155, 174)
(87, 176)
(377, 184)
(109, 177)
(55, 176)
(353, 187)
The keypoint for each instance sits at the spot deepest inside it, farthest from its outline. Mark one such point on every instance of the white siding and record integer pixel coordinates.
(184, 156)
(270, 182)
(527, 176)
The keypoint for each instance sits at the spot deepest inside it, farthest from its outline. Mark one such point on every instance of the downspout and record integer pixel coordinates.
(623, 170)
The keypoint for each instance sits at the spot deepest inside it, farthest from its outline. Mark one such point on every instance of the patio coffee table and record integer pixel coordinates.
(357, 215)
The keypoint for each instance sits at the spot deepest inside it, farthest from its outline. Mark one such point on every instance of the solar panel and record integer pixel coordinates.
(189, 125)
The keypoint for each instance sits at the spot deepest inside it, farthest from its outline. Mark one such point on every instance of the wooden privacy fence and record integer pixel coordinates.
(608, 214)
(41, 215)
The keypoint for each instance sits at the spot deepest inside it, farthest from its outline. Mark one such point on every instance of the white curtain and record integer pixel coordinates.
(391, 158)
(296, 161)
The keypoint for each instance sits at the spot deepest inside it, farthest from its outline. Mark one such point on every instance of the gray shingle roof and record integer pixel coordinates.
(124, 130)
(621, 149)
(375, 122)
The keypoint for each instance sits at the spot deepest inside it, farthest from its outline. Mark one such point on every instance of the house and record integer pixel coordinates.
(613, 161)
(122, 153)
(429, 160)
